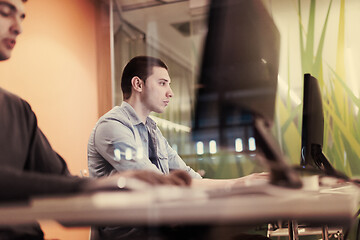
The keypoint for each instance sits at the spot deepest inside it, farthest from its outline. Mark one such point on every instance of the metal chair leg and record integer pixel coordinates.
(293, 230)
(325, 232)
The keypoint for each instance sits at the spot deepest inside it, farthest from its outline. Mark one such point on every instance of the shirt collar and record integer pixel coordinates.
(134, 119)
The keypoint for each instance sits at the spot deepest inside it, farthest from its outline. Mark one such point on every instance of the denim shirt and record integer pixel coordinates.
(119, 142)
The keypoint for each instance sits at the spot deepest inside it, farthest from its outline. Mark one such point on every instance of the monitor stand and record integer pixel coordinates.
(320, 163)
(281, 174)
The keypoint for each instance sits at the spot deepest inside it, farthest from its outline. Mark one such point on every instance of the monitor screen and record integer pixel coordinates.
(312, 157)
(239, 71)
(238, 81)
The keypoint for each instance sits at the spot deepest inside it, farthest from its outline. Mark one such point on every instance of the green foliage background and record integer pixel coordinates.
(341, 122)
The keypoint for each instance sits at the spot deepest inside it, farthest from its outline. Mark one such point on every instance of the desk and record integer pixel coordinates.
(333, 207)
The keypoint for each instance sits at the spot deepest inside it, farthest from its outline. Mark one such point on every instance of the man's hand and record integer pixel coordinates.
(251, 179)
(137, 179)
(256, 176)
(176, 177)
(207, 183)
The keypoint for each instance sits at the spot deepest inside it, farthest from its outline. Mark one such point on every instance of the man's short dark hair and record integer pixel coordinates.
(140, 66)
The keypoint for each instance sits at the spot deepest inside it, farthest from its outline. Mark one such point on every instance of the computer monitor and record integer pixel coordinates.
(312, 157)
(238, 82)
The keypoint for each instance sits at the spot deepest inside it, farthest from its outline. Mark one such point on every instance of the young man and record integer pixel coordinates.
(29, 165)
(126, 137)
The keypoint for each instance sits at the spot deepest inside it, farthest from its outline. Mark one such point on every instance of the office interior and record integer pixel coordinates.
(69, 59)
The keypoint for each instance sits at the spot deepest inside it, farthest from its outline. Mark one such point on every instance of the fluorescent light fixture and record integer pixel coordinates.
(252, 144)
(212, 147)
(200, 148)
(239, 147)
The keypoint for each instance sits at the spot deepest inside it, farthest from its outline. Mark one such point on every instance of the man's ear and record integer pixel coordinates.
(137, 84)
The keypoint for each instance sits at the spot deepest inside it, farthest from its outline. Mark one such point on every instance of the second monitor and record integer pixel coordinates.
(312, 156)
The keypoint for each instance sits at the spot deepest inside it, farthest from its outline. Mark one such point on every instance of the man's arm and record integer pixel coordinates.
(29, 165)
(175, 161)
(116, 144)
(20, 185)
(34, 184)
(207, 183)
(145, 179)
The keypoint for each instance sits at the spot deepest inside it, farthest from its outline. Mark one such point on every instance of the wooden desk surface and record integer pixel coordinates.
(335, 206)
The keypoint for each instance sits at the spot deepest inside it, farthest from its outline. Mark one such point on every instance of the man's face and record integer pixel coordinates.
(11, 15)
(157, 92)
